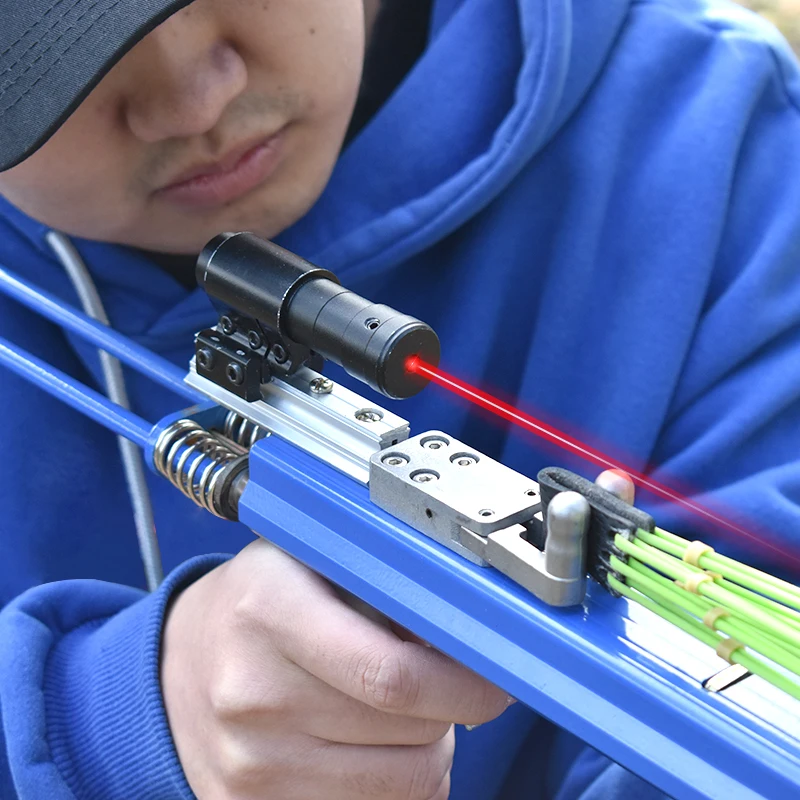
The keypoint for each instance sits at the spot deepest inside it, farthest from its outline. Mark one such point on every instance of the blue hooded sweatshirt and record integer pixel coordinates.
(595, 204)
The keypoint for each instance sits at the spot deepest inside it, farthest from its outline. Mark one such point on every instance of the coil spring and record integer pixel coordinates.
(241, 430)
(194, 460)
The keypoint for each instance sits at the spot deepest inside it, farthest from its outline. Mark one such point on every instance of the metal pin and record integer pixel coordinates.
(567, 522)
(619, 483)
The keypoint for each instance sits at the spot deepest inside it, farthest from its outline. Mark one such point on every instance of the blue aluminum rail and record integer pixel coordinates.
(608, 671)
(75, 394)
(51, 307)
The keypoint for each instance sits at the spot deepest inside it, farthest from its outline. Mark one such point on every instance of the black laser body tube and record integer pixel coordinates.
(308, 305)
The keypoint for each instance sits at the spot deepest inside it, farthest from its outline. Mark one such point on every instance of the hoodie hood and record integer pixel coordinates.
(521, 69)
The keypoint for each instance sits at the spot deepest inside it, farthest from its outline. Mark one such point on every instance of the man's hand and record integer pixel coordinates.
(274, 687)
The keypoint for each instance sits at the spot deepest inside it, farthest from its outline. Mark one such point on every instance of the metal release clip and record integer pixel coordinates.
(486, 512)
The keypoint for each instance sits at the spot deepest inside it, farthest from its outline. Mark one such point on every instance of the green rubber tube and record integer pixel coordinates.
(680, 571)
(688, 624)
(664, 591)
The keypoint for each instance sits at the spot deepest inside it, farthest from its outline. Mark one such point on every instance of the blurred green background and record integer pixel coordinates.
(783, 13)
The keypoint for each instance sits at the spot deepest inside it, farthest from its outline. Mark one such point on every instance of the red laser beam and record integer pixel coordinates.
(417, 366)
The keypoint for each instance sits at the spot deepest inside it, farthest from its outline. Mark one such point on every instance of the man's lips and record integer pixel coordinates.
(223, 181)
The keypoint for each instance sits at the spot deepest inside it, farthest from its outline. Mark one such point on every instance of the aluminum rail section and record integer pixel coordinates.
(607, 671)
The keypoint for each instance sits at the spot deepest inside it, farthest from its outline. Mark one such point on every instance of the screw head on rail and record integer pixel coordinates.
(205, 358)
(368, 415)
(395, 460)
(235, 374)
(226, 323)
(435, 443)
(321, 386)
(279, 354)
(424, 476)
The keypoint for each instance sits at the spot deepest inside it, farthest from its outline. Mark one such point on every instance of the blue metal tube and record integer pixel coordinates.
(49, 306)
(74, 393)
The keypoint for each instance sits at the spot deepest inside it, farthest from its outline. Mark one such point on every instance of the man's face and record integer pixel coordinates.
(229, 116)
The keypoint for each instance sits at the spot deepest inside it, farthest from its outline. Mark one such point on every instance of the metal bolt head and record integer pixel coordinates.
(205, 358)
(226, 323)
(464, 459)
(322, 386)
(395, 460)
(254, 340)
(434, 443)
(279, 354)
(424, 477)
(235, 374)
(369, 415)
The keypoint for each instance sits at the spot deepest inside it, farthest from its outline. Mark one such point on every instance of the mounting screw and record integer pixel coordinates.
(369, 415)
(254, 340)
(424, 476)
(486, 512)
(434, 443)
(465, 461)
(322, 386)
(235, 374)
(394, 460)
(205, 358)
(372, 323)
(279, 354)
(226, 323)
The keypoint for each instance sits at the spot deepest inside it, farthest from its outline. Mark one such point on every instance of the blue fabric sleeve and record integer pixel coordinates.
(83, 714)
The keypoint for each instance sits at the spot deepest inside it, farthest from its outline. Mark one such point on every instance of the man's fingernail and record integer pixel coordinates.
(472, 727)
(510, 701)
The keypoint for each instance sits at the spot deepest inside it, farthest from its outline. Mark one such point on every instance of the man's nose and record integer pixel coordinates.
(187, 75)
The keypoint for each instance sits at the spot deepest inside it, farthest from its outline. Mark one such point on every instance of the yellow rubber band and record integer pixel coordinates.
(713, 615)
(727, 647)
(692, 583)
(694, 552)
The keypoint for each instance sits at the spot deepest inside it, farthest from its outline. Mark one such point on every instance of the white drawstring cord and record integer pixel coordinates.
(132, 460)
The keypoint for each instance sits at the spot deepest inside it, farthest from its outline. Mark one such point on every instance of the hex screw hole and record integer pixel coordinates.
(235, 374)
(428, 513)
(464, 459)
(424, 476)
(205, 358)
(369, 415)
(279, 354)
(434, 442)
(486, 512)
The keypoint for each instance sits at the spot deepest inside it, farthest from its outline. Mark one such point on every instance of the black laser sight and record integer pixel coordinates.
(283, 312)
